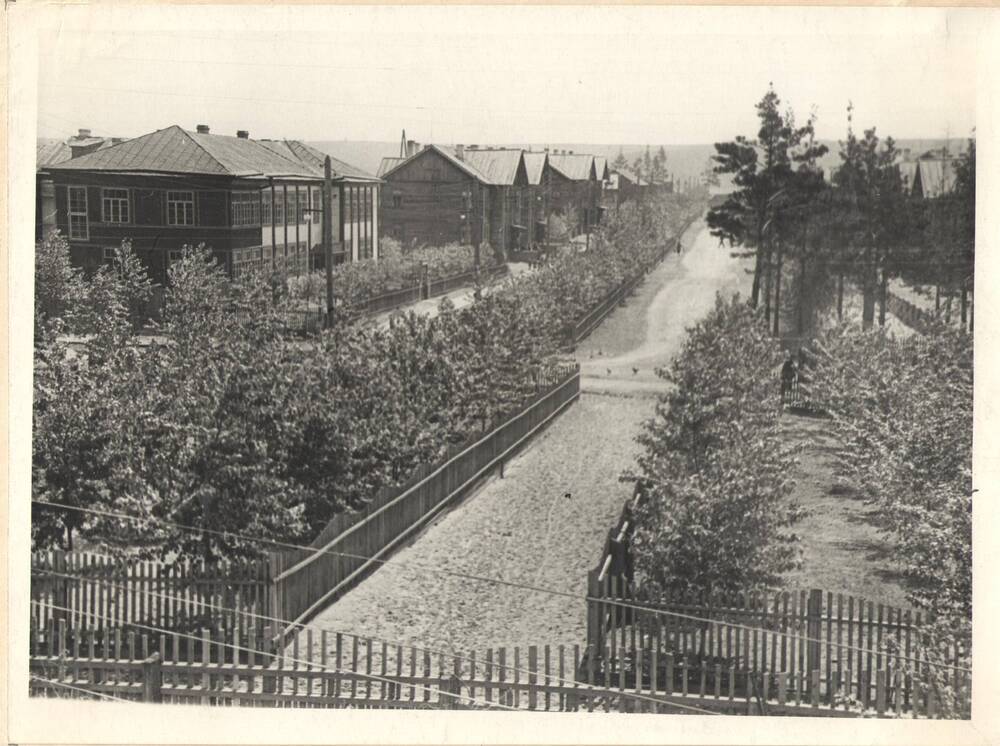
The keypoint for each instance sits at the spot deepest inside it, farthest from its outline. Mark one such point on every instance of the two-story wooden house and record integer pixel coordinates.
(439, 195)
(575, 189)
(254, 204)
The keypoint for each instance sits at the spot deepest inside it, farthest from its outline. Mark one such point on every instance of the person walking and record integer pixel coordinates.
(789, 373)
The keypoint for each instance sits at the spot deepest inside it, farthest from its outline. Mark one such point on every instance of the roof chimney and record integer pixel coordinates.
(460, 152)
(83, 133)
(202, 129)
(242, 134)
(411, 147)
(570, 152)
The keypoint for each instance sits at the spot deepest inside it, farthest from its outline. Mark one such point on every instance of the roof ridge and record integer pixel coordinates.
(198, 145)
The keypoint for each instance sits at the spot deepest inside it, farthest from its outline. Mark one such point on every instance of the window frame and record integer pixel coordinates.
(71, 213)
(174, 201)
(108, 253)
(107, 215)
(244, 208)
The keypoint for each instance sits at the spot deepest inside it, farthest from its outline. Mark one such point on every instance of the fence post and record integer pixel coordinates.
(814, 629)
(152, 669)
(593, 609)
(274, 608)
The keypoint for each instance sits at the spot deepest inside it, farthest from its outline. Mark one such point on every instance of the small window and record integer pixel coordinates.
(109, 253)
(78, 227)
(114, 205)
(397, 200)
(180, 208)
(175, 255)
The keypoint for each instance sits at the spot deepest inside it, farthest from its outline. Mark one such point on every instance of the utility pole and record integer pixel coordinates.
(328, 237)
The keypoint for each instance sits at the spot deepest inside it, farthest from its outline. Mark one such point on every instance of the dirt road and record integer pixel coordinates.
(544, 524)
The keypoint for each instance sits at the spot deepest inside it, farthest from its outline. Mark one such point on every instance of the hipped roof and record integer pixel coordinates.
(177, 151)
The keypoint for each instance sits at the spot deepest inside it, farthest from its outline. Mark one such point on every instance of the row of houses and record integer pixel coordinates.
(257, 203)
(507, 197)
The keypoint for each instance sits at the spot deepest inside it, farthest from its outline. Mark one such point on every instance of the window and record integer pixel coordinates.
(397, 200)
(300, 205)
(245, 208)
(265, 204)
(180, 208)
(175, 255)
(78, 227)
(114, 205)
(109, 253)
(279, 208)
(316, 216)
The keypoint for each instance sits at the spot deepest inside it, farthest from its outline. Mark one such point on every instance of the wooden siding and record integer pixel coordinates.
(424, 202)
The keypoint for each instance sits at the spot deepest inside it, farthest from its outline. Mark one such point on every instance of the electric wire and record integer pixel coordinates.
(299, 626)
(468, 576)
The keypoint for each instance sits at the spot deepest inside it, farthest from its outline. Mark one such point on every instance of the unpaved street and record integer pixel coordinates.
(544, 524)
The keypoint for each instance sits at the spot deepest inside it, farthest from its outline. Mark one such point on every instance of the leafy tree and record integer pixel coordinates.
(716, 514)
(60, 289)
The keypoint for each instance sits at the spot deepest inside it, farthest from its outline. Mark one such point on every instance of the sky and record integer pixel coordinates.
(503, 74)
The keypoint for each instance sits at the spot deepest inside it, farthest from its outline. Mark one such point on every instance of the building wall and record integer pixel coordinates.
(431, 201)
(237, 244)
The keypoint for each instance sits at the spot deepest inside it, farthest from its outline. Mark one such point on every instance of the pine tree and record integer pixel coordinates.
(620, 161)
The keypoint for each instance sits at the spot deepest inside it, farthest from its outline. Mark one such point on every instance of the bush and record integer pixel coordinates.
(715, 476)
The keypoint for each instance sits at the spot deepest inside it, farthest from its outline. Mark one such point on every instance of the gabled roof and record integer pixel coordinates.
(387, 165)
(934, 177)
(601, 166)
(177, 151)
(314, 159)
(444, 153)
(534, 164)
(498, 166)
(49, 151)
(575, 166)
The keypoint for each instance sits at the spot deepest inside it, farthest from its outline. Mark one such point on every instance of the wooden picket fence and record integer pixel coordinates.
(77, 586)
(352, 544)
(321, 668)
(827, 649)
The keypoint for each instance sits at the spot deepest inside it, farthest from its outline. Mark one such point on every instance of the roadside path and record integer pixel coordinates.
(545, 522)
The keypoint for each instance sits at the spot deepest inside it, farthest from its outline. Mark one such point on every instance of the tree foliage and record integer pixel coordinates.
(224, 423)
(716, 515)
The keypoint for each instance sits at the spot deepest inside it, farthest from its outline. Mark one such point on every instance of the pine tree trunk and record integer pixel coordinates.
(755, 292)
(883, 292)
(777, 295)
(840, 296)
(965, 305)
(937, 298)
(802, 295)
(767, 289)
(868, 298)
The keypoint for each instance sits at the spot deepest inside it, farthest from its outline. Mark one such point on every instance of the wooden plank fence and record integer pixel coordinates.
(324, 668)
(827, 649)
(182, 595)
(352, 543)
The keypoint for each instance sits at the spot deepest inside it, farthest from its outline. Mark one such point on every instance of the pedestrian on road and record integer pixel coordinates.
(789, 373)
(678, 246)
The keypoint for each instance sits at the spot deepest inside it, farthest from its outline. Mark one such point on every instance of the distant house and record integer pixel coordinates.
(537, 194)
(931, 175)
(50, 151)
(438, 195)
(576, 188)
(254, 203)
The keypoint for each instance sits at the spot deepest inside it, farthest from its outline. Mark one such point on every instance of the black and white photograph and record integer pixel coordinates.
(604, 370)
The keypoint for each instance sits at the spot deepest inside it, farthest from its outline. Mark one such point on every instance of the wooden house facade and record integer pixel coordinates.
(439, 195)
(255, 204)
(575, 189)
